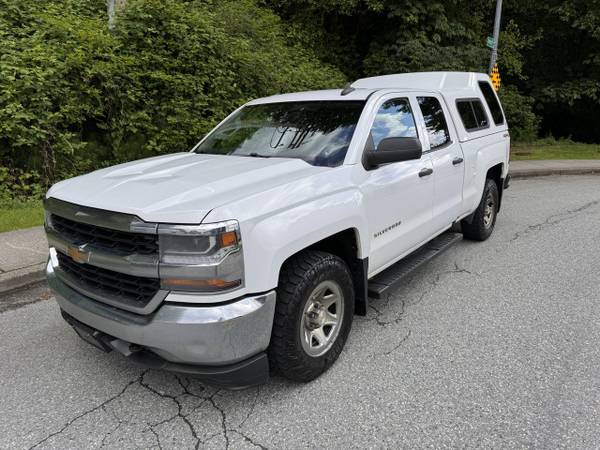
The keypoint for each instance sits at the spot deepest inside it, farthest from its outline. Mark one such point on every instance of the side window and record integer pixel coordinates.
(472, 114)
(492, 102)
(435, 122)
(394, 119)
(480, 114)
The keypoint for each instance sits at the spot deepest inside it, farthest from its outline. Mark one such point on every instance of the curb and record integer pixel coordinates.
(520, 174)
(21, 278)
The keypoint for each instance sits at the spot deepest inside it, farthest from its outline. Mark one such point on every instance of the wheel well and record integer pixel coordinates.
(345, 245)
(495, 173)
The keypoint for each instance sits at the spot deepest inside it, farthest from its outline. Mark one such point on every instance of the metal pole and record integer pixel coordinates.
(496, 35)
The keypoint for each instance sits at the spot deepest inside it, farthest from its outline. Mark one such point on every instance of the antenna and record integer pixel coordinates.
(347, 89)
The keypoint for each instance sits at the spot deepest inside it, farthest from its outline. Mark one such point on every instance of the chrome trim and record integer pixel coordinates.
(203, 229)
(118, 302)
(210, 335)
(222, 269)
(99, 217)
(135, 264)
(144, 265)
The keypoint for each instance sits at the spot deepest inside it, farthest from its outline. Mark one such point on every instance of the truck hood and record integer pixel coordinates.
(181, 187)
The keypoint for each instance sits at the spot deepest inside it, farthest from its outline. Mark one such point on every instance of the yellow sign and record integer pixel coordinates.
(495, 77)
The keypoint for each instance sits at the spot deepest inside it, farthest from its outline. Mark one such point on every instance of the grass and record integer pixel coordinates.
(554, 149)
(15, 215)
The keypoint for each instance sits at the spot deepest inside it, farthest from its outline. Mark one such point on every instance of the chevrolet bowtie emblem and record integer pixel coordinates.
(78, 254)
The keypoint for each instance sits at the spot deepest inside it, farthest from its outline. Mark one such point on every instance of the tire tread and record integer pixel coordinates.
(476, 230)
(296, 276)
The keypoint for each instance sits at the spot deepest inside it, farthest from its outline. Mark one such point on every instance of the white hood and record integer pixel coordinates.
(181, 187)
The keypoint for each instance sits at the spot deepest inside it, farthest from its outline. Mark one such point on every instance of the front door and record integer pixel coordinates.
(398, 196)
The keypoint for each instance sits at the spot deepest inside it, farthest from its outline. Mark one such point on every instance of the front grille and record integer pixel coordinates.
(134, 290)
(115, 241)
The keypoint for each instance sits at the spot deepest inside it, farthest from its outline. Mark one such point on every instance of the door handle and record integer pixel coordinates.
(456, 161)
(425, 171)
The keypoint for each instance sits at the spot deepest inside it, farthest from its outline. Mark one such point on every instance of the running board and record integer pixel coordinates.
(385, 282)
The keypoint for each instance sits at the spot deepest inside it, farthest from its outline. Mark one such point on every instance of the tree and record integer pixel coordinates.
(112, 7)
(75, 97)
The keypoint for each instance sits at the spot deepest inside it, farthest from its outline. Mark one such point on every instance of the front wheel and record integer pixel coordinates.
(313, 315)
(484, 218)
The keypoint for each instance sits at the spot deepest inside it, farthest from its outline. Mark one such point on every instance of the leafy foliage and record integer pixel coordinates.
(366, 38)
(74, 96)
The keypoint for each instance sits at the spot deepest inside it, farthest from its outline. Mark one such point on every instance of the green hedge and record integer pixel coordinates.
(74, 96)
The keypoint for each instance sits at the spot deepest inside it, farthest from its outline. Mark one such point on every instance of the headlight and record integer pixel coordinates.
(205, 258)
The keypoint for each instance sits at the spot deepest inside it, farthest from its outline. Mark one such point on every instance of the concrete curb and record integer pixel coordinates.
(21, 278)
(531, 173)
(23, 256)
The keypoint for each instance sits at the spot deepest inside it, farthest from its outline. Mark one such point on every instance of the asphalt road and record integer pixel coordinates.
(493, 344)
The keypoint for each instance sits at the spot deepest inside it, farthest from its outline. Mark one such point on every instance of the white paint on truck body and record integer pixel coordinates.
(284, 205)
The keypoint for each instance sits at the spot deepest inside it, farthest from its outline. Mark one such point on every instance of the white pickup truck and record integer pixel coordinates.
(254, 250)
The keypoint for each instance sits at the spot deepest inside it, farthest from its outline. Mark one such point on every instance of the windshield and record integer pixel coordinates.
(318, 132)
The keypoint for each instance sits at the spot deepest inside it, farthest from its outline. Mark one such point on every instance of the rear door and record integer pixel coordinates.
(447, 159)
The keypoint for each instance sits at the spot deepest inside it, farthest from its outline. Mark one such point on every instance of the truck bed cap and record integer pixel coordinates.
(459, 83)
(425, 81)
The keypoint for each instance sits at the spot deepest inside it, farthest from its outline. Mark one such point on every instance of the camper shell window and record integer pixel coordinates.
(472, 114)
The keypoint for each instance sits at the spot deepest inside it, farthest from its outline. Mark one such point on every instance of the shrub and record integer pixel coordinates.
(75, 97)
(521, 119)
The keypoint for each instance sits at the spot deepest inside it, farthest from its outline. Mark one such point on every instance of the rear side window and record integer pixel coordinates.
(472, 114)
(492, 102)
(435, 121)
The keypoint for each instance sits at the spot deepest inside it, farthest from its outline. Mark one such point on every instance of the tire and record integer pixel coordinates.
(484, 218)
(295, 351)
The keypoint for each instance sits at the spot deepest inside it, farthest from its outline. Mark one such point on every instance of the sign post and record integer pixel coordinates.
(496, 35)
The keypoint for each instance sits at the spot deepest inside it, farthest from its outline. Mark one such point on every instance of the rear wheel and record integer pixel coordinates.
(313, 315)
(484, 218)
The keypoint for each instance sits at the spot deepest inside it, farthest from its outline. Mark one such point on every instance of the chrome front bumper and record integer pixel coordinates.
(190, 334)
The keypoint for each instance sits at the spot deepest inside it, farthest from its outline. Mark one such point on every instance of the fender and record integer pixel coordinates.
(487, 155)
(282, 221)
(272, 240)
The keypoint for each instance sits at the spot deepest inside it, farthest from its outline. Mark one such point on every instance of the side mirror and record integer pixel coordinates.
(393, 149)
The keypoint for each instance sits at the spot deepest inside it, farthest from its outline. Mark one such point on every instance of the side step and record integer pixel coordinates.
(385, 282)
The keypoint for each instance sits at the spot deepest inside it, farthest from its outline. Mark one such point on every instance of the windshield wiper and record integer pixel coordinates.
(256, 155)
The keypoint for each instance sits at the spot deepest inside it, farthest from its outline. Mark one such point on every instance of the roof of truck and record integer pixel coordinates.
(443, 82)
(457, 83)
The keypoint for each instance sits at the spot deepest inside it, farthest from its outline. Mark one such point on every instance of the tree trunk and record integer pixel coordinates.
(113, 6)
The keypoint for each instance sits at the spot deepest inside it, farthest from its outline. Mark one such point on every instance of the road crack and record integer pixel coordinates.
(179, 411)
(249, 440)
(378, 318)
(223, 419)
(251, 411)
(404, 302)
(553, 220)
(402, 341)
(119, 423)
(89, 411)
